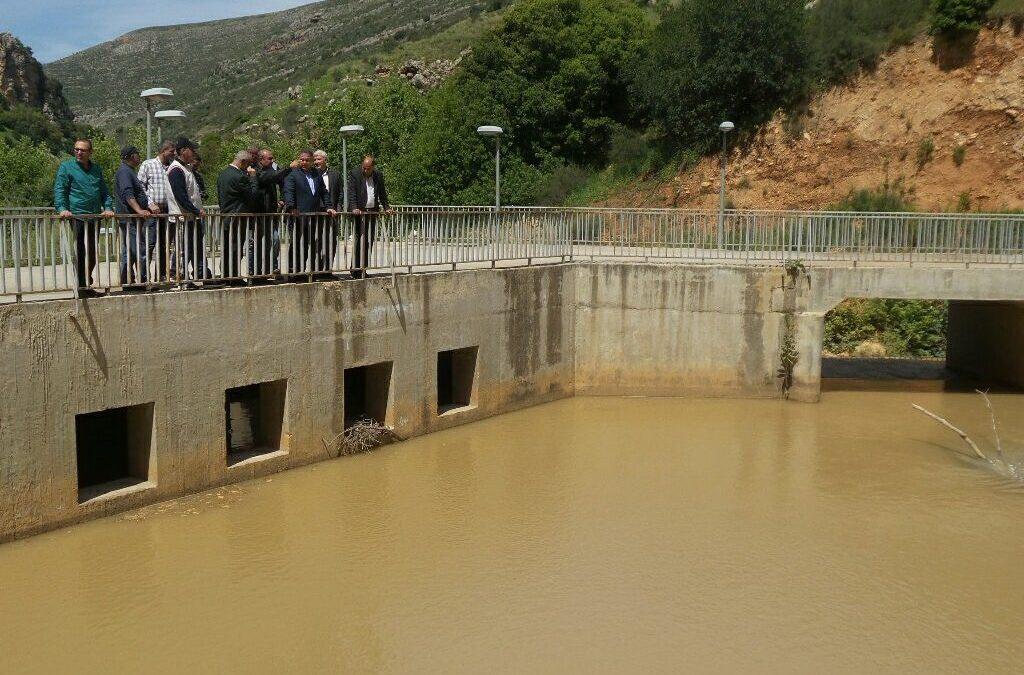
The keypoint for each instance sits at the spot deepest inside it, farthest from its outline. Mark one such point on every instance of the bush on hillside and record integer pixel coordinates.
(953, 17)
(27, 171)
(847, 36)
(892, 196)
(712, 60)
(907, 328)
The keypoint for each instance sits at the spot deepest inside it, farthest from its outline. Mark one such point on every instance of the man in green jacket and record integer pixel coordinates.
(80, 190)
(237, 193)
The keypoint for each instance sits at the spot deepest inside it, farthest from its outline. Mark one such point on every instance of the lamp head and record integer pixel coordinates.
(351, 130)
(156, 94)
(490, 131)
(726, 127)
(169, 115)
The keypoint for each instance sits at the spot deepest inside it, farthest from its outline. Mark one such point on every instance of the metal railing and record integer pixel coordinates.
(44, 256)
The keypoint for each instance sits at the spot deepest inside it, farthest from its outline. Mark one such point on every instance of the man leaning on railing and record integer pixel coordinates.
(367, 197)
(133, 202)
(237, 193)
(79, 190)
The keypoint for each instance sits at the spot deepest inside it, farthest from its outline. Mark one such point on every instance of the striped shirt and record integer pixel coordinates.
(153, 176)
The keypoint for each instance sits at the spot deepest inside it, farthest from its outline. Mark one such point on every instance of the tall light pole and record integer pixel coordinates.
(347, 131)
(496, 132)
(152, 97)
(725, 128)
(162, 115)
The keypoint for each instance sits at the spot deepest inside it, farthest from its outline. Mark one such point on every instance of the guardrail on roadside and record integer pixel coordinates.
(41, 254)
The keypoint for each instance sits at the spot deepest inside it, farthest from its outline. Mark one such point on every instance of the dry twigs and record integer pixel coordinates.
(363, 436)
(959, 432)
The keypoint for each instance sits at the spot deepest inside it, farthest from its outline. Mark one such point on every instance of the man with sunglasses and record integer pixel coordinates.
(81, 190)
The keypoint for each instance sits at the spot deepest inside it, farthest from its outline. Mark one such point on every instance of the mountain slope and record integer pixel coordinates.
(222, 71)
(901, 124)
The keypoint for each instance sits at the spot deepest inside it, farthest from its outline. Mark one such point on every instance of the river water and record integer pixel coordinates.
(602, 535)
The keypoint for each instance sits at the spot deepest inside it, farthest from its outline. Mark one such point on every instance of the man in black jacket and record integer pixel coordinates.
(304, 197)
(237, 191)
(266, 245)
(333, 185)
(367, 197)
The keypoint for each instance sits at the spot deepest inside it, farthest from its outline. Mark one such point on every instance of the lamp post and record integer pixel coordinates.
(725, 128)
(162, 115)
(152, 97)
(347, 131)
(496, 132)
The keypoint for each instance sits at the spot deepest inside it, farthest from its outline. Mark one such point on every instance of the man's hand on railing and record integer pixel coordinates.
(202, 213)
(65, 214)
(145, 213)
(154, 208)
(107, 214)
(332, 213)
(357, 212)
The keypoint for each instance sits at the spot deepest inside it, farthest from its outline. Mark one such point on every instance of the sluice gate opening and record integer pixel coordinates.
(113, 449)
(254, 420)
(456, 375)
(368, 393)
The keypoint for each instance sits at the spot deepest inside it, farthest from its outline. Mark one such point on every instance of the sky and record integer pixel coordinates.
(57, 28)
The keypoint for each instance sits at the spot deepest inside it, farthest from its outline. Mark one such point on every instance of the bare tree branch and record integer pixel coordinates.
(959, 432)
(995, 427)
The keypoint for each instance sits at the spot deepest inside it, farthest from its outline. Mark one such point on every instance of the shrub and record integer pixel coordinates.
(889, 197)
(925, 151)
(959, 154)
(906, 328)
(846, 36)
(952, 17)
(963, 202)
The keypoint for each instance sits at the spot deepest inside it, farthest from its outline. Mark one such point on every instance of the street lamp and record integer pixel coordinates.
(153, 96)
(496, 132)
(725, 128)
(346, 131)
(162, 115)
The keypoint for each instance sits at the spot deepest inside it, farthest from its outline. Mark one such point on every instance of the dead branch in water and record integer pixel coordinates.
(363, 436)
(959, 432)
(992, 417)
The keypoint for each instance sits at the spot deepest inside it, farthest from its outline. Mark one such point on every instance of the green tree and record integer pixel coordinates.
(952, 17)
(555, 70)
(27, 171)
(711, 60)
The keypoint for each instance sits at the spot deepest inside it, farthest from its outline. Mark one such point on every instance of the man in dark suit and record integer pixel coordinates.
(236, 191)
(332, 183)
(305, 196)
(367, 197)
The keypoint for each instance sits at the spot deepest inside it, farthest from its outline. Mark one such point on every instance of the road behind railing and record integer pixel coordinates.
(41, 255)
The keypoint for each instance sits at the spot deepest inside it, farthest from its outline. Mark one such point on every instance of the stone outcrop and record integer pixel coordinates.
(22, 80)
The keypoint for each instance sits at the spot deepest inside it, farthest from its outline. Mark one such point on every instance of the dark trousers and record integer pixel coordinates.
(86, 243)
(138, 239)
(194, 250)
(365, 233)
(300, 250)
(161, 243)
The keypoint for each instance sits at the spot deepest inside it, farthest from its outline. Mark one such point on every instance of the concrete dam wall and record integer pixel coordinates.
(137, 399)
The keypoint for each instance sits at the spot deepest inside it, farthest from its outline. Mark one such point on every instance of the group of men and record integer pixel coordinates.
(161, 201)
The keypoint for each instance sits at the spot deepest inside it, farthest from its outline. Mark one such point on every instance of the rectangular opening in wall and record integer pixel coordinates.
(113, 449)
(254, 420)
(456, 373)
(367, 390)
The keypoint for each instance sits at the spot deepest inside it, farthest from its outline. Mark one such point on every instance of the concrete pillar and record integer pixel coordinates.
(986, 341)
(809, 333)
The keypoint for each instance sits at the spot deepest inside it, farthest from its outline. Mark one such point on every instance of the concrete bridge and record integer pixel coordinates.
(116, 402)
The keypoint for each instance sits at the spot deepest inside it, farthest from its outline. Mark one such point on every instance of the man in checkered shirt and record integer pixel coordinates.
(153, 176)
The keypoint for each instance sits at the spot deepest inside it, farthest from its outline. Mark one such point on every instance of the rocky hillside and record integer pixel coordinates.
(224, 71)
(23, 81)
(954, 138)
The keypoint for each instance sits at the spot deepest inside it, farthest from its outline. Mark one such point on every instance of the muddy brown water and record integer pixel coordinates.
(594, 535)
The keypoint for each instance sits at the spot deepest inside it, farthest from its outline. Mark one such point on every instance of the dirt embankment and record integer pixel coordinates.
(876, 129)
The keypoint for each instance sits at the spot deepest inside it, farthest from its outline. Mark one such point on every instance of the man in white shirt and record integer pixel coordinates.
(367, 197)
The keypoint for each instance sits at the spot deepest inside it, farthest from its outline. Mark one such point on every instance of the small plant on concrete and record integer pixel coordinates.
(963, 202)
(788, 356)
(794, 268)
(959, 154)
(925, 151)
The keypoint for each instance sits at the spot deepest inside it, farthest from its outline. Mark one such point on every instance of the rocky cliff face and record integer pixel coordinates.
(22, 80)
